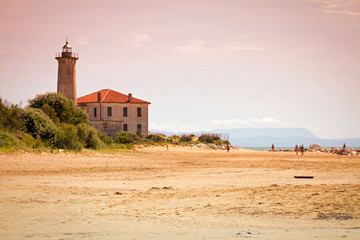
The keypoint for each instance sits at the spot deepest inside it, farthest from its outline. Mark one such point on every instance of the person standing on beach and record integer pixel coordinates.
(227, 147)
(272, 148)
(297, 149)
(344, 147)
(302, 150)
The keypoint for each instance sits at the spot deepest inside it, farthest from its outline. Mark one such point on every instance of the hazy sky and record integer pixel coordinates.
(203, 64)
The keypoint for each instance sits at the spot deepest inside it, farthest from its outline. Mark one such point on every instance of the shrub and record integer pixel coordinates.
(38, 123)
(89, 136)
(11, 117)
(174, 139)
(25, 138)
(67, 138)
(83, 131)
(51, 113)
(59, 108)
(208, 138)
(7, 139)
(155, 138)
(126, 137)
(221, 142)
(186, 138)
(93, 141)
(105, 138)
(38, 143)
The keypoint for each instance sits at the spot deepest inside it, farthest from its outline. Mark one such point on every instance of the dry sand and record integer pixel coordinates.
(182, 193)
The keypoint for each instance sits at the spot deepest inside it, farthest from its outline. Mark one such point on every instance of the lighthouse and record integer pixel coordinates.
(66, 84)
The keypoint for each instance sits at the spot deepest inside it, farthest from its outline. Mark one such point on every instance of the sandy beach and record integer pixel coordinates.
(182, 193)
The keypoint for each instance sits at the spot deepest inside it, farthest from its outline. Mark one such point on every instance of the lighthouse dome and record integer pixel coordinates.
(67, 47)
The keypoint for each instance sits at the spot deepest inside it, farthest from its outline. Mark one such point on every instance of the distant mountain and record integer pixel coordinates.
(267, 132)
(292, 141)
(280, 137)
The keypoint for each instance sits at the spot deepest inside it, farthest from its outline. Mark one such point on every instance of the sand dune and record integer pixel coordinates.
(183, 193)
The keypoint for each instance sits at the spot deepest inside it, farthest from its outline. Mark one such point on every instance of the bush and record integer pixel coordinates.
(93, 141)
(126, 137)
(10, 117)
(26, 139)
(105, 138)
(207, 138)
(67, 138)
(7, 139)
(221, 142)
(38, 123)
(174, 139)
(89, 136)
(186, 138)
(155, 138)
(59, 108)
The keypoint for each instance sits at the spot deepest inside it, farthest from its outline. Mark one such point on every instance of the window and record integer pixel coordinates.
(95, 113)
(139, 112)
(125, 111)
(138, 129)
(109, 112)
(125, 127)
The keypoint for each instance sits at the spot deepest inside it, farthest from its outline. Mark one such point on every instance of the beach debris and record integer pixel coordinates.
(308, 177)
(157, 188)
(248, 234)
(117, 193)
(337, 216)
(283, 150)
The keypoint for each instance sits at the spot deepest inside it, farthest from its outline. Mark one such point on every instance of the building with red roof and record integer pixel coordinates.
(111, 111)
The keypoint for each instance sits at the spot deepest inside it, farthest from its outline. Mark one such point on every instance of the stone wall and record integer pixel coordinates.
(108, 127)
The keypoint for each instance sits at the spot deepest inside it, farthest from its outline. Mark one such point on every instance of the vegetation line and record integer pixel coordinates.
(52, 121)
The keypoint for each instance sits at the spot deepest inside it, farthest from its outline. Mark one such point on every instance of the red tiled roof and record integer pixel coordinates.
(109, 96)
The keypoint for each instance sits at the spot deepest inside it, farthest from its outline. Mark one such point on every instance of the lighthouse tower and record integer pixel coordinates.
(66, 84)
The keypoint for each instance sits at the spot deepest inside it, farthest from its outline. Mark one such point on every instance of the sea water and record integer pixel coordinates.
(285, 148)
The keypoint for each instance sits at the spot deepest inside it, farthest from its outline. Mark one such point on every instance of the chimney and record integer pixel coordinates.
(130, 97)
(99, 97)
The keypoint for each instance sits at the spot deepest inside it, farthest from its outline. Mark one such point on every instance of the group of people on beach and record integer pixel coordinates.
(300, 148)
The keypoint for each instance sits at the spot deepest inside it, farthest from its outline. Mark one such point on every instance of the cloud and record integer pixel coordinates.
(193, 47)
(266, 122)
(349, 7)
(344, 12)
(235, 48)
(137, 40)
(200, 46)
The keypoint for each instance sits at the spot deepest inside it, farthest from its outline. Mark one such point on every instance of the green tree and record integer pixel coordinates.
(59, 108)
(11, 117)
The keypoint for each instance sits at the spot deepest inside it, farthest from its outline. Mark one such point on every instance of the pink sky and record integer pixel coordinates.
(202, 64)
